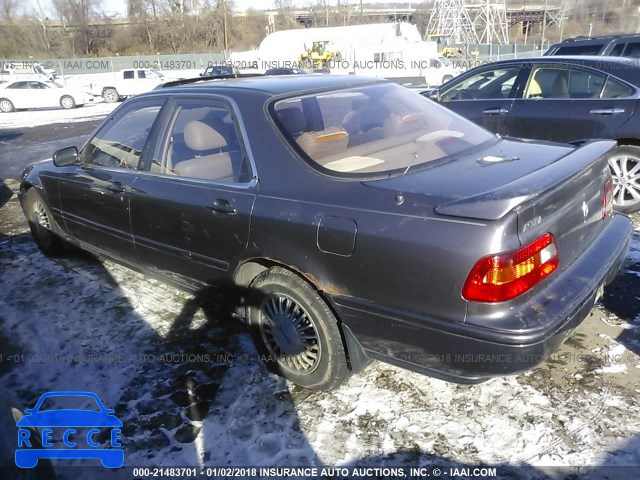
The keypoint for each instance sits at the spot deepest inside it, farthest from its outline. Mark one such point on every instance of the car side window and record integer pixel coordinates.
(632, 50)
(616, 89)
(204, 144)
(128, 74)
(485, 85)
(121, 140)
(141, 74)
(617, 50)
(19, 85)
(555, 83)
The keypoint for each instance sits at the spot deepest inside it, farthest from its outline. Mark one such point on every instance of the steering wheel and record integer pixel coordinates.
(464, 95)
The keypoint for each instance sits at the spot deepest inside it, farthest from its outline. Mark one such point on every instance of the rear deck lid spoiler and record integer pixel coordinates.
(496, 203)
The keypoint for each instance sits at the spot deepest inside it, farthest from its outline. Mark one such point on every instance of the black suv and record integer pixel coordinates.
(612, 45)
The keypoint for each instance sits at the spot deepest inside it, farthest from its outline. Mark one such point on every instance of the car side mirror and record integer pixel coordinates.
(434, 94)
(29, 411)
(65, 157)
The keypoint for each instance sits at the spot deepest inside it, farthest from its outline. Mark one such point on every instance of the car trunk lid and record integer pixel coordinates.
(552, 188)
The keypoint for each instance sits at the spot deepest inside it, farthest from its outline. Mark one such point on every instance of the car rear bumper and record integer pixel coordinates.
(466, 353)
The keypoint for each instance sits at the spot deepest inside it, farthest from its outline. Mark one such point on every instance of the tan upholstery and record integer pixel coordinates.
(329, 141)
(396, 124)
(199, 136)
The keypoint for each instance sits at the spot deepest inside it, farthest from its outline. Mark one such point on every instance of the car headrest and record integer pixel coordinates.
(292, 121)
(200, 137)
(329, 141)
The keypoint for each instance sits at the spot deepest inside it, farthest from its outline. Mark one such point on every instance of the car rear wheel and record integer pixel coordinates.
(110, 95)
(67, 102)
(295, 331)
(6, 105)
(42, 224)
(625, 169)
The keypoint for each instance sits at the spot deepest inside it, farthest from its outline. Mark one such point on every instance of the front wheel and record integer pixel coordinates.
(6, 105)
(42, 224)
(67, 102)
(624, 162)
(295, 331)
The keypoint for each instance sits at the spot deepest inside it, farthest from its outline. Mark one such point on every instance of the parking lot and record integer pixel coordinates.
(190, 388)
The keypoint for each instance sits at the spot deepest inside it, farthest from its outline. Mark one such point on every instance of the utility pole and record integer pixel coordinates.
(224, 25)
(544, 23)
(564, 11)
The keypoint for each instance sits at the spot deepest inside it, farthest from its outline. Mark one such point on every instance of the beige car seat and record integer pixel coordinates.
(201, 137)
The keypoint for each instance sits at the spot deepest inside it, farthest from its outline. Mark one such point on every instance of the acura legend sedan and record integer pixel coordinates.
(346, 219)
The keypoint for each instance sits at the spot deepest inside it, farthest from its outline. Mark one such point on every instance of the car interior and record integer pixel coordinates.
(204, 145)
(390, 134)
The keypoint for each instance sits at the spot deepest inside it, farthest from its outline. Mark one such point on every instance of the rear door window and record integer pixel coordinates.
(616, 89)
(204, 144)
(557, 82)
(592, 49)
(632, 50)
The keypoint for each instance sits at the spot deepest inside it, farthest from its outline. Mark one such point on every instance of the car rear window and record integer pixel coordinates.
(592, 49)
(374, 129)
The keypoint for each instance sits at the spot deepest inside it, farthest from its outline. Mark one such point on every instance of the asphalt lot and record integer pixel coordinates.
(76, 323)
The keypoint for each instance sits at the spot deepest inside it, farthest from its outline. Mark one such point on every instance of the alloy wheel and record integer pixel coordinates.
(290, 334)
(626, 179)
(42, 222)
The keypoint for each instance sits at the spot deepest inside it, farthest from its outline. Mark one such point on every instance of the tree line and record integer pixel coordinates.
(73, 28)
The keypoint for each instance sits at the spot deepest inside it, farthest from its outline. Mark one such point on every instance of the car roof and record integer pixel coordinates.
(600, 38)
(274, 85)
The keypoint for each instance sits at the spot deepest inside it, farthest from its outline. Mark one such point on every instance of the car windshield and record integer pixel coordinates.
(374, 129)
(66, 402)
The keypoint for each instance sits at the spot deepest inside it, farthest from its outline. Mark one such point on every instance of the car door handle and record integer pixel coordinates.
(607, 111)
(496, 111)
(222, 206)
(116, 187)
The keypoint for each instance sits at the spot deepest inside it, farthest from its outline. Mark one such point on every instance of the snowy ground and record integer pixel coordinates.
(46, 116)
(85, 325)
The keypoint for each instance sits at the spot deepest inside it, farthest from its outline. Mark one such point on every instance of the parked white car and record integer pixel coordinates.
(37, 94)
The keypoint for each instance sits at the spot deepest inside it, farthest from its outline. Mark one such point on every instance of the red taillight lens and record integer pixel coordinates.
(505, 276)
(607, 198)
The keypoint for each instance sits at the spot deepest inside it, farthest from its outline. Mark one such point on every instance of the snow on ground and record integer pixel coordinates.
(45, 116)
(189, 389)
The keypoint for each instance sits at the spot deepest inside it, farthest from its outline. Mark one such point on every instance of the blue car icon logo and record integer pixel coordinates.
(75, 430)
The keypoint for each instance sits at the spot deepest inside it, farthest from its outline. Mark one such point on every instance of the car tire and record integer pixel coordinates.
(295, 331)
(67, 102)
(110, 95)
(6, 105)
(42, 224)
(624, 162)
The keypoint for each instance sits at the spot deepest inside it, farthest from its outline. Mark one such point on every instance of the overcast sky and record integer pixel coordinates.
(119, 7)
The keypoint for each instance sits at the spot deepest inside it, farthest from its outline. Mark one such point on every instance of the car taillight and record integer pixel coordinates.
(505, 276)
(607, 198)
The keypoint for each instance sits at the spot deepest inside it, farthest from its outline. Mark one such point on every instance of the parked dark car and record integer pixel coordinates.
(346, 219)
(610, 45)
(561, 99)
(286, 71)
(213, 71)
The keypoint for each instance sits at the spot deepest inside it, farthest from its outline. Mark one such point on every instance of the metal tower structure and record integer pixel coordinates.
(490, 22)
(451, 19)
